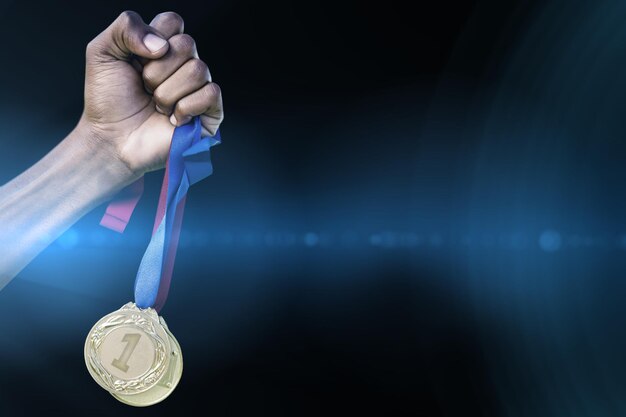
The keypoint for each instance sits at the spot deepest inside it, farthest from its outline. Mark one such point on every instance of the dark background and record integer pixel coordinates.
(417, 209)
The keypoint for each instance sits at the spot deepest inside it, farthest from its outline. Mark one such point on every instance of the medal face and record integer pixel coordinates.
(128, 352)
(165, 386)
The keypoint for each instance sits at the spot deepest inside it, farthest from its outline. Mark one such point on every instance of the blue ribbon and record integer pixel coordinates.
(189, 161)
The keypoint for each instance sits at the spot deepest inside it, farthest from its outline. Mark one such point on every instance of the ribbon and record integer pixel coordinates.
(189, 161)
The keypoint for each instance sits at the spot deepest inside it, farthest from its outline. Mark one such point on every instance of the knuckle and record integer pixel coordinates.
(206, 94)
(198, 68)
(211, 94)
(127, 18)
(172, 18)
(160, 98)
(183, 108)
(91, 46)
(217, 90)
(183, 43)
(94, 48)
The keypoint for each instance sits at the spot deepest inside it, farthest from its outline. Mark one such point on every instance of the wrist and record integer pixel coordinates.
(101, 163)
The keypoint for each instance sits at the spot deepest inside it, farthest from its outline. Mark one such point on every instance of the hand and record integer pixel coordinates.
(141, 81)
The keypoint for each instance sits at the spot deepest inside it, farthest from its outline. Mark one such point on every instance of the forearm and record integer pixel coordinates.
(43, 202)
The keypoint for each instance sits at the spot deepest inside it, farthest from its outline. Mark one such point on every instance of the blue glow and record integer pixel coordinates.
(69, 239)
(311, 239)
(375, 240)
(97, 238)
(550, 241)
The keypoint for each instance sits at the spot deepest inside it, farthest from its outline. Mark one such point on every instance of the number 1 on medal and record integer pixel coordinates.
(131, 340)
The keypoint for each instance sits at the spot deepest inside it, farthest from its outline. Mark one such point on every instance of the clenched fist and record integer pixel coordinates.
(141, 81)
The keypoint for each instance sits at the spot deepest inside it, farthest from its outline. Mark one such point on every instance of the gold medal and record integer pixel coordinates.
(132, 354)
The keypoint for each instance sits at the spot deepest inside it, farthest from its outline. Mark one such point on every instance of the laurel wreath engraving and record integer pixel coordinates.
(139, 384)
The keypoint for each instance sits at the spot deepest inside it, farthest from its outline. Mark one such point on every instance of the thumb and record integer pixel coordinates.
(128, 35)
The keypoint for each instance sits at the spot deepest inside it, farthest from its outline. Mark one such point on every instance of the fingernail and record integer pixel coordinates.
(153, 42)
(173, 120)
